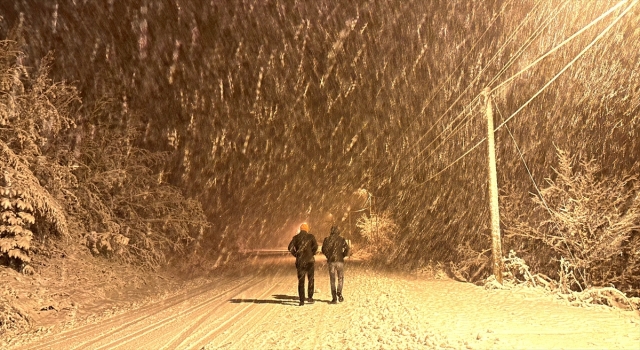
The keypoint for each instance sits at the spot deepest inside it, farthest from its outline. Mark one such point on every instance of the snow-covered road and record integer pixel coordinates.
(256, 308)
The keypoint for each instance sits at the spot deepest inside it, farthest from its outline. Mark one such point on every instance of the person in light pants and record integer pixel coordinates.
(335, 248)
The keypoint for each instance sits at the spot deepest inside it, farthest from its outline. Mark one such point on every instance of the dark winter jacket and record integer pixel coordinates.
(334, 247)
(303, 246)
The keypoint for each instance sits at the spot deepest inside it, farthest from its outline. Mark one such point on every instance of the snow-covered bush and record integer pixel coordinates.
(129, 211)
(592, 225)
(471, 265)
(378, 231)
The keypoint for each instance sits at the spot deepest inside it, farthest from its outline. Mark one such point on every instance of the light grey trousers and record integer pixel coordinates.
(336, 269)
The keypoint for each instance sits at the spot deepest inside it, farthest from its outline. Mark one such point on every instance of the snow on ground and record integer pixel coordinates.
(393, 311)
(255, 307)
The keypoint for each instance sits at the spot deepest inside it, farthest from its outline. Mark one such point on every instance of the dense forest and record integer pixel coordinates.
(153, 129)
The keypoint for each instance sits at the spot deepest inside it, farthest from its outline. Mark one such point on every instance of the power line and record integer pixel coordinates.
(441, 85)
(468, 106)
(518, 28)
(529, 41)
(448, 79)
(571, 62)
(462, 61)
(465, 121)
(561, 44)
(509, 64)
(512, 60)
(542, 89)
(455, 161)
(544, 202)
(535, 185)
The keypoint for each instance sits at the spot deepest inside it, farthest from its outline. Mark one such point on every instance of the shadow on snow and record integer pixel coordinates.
(281, 299)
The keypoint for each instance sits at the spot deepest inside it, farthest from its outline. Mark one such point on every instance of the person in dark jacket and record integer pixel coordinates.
(304, 246)
(335, 248)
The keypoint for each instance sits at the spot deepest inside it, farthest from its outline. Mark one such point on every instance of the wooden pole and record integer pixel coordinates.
(496, 245)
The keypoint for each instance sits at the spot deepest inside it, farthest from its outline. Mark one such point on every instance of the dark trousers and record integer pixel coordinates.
(305, 269)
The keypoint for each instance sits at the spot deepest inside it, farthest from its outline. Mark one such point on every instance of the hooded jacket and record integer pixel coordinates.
(334, 247)
(303, 246)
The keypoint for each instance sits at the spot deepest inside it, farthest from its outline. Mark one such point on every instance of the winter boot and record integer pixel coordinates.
(334, 299)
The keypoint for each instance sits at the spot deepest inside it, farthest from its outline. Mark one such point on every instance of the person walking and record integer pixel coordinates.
(304, 246)
(335, 248)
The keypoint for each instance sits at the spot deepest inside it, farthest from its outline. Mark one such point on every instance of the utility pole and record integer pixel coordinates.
(496, 245)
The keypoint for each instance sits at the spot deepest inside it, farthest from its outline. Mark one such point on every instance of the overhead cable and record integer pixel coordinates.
(542, 89)
(576, 34)
(570, 63)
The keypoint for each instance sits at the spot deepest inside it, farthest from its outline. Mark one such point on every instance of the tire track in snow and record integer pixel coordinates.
(167, 320)
(122, 321)
(179, 338)
(212, 334)
(240, 329)
(242, 314)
